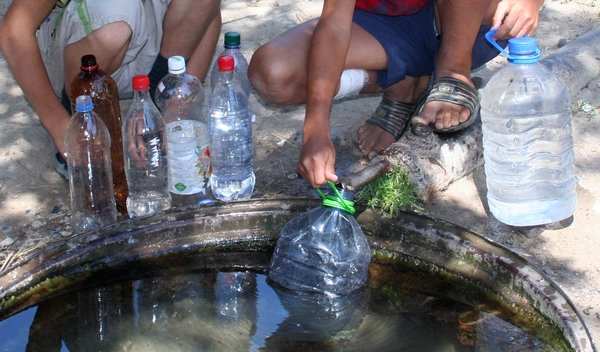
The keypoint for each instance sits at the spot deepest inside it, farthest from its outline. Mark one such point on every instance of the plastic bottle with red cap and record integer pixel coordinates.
(144, 146)
(230, 137)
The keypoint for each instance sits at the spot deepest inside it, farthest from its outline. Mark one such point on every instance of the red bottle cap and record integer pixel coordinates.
(226, 63)
(141, 82)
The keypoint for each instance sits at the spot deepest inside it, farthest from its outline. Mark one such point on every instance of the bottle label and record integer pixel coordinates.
(189, 157)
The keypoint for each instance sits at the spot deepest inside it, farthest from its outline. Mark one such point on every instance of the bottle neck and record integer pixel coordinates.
(226, 76)
(141, 95)
(88, 71)
(232, 47)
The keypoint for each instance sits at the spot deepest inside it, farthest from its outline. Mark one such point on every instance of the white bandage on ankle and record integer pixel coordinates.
(351, 82)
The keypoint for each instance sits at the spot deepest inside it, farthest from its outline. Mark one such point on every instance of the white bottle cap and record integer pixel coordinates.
(176, 65)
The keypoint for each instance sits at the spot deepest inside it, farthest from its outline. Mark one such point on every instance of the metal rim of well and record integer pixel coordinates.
(259, 221)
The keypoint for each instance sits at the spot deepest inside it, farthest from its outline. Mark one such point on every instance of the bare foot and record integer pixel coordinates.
(373, 139)
(444, 114)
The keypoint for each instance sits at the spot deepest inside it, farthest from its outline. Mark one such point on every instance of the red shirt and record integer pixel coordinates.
(391, 7)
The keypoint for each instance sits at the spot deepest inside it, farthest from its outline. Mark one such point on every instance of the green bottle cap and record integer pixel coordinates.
(232, 39)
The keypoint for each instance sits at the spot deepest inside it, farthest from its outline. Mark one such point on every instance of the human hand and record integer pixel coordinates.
(317, 161)
(136, 151)
(516, 18)
(57, 131)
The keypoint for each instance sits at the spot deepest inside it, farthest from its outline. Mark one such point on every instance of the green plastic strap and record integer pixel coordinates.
(336, 201)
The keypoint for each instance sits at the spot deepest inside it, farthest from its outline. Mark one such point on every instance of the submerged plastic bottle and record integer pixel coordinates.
(180, 98)
(322, 250)
(232, 46)
(528, 147)
(87, 142)
(230, 138)
(92, 81)
(145, 157)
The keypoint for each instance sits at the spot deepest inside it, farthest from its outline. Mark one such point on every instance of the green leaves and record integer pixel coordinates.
(391, 192)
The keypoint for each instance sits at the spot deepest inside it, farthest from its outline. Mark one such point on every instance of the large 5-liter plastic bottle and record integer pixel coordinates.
(232, 48)
(322, 250)
(230, 138)
(528, 148)
(87, 142)
(180, 98)
(145, 155)
(92, 81)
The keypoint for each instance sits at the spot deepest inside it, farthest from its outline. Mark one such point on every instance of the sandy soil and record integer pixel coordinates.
(34, 199)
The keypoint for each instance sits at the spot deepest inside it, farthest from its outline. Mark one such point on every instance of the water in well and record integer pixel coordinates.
(404, 308)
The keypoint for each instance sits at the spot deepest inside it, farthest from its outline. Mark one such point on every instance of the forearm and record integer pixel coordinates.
(20, 48)
(326, 59)
(459, 22)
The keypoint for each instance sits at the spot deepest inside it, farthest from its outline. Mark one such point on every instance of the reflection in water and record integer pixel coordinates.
(314, 316)
(240, 311)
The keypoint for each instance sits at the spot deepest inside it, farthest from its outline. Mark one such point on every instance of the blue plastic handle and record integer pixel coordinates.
(489, 36)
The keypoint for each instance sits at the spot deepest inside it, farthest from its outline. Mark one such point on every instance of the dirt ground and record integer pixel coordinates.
(34, 200)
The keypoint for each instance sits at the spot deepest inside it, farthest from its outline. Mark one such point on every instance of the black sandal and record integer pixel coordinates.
(452, 90)
(392, 116)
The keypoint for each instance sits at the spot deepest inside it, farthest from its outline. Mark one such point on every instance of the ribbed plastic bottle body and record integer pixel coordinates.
(180, 98)
(240, 72)
(322, 250)
(528, 147)
(87, 142)
(232, 48)
(230, 141)
(145, 157)
(102, 88)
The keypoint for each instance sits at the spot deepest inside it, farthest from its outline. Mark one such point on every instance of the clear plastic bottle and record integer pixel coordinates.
(322, 250)
(528, 147)
(92, 81)
(230, 138)
(87, 142)
(180, 98)
(232, 46)
(145, 156)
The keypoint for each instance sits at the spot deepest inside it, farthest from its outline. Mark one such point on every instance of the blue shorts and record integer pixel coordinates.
(411, 43)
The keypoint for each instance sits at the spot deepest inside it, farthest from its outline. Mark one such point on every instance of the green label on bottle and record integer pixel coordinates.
(180, 187)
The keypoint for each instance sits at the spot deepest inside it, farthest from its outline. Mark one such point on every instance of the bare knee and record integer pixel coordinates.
(274, 79)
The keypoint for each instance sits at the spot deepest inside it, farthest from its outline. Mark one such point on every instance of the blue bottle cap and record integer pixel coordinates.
(523, 50)
(84, 103)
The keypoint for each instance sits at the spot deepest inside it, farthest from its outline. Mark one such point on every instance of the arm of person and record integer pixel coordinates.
(516, 18)
(19, 46)
(326, 60)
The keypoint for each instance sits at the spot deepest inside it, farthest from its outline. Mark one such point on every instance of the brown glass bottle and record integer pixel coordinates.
(102, 88)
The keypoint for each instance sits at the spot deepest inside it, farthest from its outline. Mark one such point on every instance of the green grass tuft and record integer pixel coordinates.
(391, 193)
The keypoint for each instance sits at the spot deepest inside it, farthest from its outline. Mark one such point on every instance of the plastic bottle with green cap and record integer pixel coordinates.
(232, 45)
(323, 250)
(527, 142)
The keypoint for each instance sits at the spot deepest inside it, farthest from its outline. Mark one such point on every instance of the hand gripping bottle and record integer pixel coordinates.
(92, 81)
(180, 98)
(528, 148)
(87, 142)
(322, 250)
(145, 156)
(232, 48)
(230, 138)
